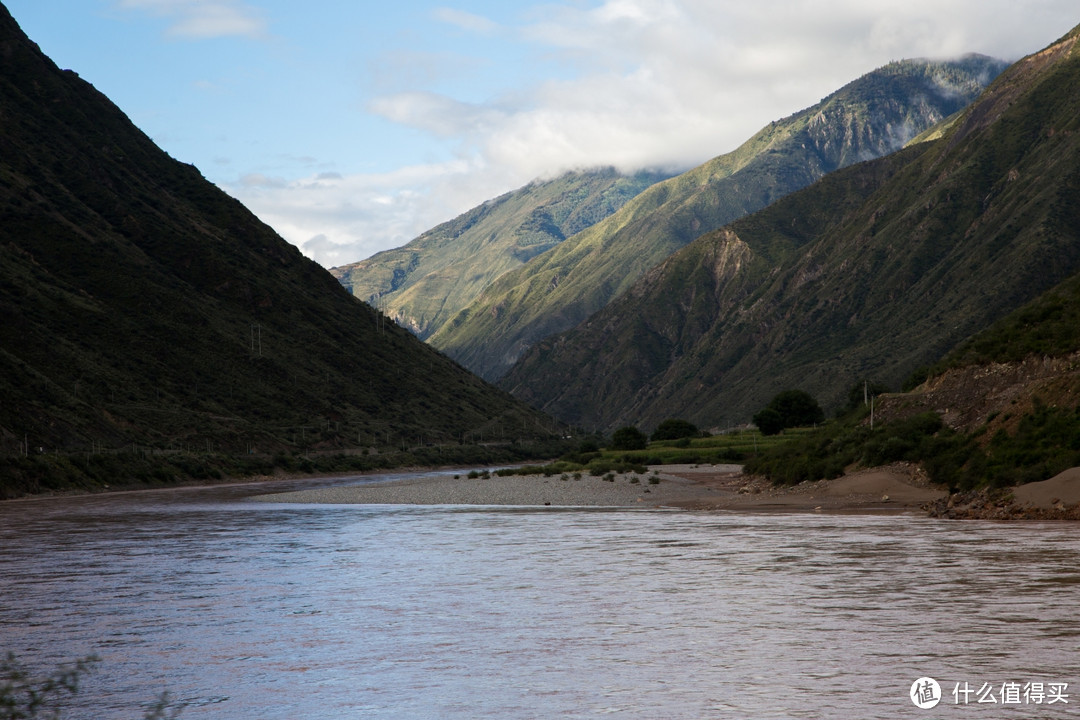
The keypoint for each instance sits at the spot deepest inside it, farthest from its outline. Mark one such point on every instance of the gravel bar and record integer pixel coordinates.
(626, 490)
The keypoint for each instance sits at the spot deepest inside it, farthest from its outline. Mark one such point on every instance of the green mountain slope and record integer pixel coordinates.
(1048, 326)
(868, 118)
(872, 272)
(428, 281)
(140, 304)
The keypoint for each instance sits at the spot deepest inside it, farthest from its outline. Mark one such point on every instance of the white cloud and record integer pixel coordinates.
(339, 219)
(437, 114)
(466, 21)
(199, 19)
(258, 180)
(651, 83)
(399, 69)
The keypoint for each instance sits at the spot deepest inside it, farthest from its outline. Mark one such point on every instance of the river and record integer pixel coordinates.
(246, 610)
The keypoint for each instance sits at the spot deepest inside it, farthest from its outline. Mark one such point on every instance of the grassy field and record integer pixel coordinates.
(732, 447)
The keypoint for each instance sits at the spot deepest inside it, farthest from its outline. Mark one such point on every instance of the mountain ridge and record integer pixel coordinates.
(142, 306)
(430, 279)
(942, 239)
(874, 114)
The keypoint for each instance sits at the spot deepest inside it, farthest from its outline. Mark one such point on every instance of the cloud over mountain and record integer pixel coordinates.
(629, 83)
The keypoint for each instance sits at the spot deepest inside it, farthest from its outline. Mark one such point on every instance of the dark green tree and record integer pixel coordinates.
(629, 438)
(791, 408)
(769, 421)
(588, 445)
(673, 429)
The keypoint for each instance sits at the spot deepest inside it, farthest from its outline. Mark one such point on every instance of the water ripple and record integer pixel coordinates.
(249, 610)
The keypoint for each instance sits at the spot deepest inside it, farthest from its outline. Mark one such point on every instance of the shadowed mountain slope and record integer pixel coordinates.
(428, 281)
(870, 117)
(140, 304)
(870, 273)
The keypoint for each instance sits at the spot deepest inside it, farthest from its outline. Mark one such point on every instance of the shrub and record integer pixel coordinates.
(674, 429)
(629, 438)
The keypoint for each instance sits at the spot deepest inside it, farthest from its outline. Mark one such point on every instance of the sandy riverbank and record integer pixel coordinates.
(1055, 499)
(626, 490)
(695, 487)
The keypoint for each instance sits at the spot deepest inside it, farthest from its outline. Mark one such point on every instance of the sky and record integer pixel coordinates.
(352, 126)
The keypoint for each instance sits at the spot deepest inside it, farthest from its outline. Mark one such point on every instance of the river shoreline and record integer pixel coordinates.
(901, 488)
(892, 490)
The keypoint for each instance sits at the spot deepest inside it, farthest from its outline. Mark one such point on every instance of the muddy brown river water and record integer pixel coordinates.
(246, 610)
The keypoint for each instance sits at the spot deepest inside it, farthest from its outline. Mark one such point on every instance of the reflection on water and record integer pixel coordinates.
(252, 610)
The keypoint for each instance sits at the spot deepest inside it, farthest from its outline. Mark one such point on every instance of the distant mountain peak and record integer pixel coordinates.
(869, 273)
(873, 115)
(426, 282)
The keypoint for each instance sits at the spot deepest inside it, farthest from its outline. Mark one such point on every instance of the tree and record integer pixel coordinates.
(673, 429)
(791, 408)
(588, 445)
(629, 438)
(769, 421)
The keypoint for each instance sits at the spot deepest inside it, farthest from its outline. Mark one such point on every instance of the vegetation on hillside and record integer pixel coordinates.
(1030, 439)
(429, 280)
(875, 270)
(870, 117)
(1048, 326)
(674, 320)
(1046, 442)
(141, 306)
(142, 467)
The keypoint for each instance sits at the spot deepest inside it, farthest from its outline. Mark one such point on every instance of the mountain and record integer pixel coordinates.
(141, 305)
(871, 272)
(428, 281)
(870, 117)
